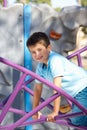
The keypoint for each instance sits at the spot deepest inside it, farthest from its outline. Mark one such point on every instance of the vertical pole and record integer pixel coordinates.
(27, 56)
(4, 3)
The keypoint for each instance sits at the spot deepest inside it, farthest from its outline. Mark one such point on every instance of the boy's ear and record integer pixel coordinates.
(49, 47)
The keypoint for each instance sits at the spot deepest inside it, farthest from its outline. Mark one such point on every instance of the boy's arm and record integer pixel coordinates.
(50, 117)
(36, 97)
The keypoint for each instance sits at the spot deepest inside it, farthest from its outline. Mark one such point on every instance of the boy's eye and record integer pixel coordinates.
(33, 52)
(39, 50)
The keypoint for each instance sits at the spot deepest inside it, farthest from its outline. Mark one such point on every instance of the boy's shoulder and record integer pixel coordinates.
(54, 55)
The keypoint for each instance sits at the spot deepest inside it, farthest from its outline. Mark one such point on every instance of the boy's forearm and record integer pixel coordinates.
(57, 82)
(56, 105)
(36, 98)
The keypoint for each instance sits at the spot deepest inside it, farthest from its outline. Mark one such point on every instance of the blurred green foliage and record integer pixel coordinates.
(41, 1)
(1, 1)
(84, 2)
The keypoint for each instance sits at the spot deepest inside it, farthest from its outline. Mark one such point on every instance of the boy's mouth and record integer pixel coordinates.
(40, 58)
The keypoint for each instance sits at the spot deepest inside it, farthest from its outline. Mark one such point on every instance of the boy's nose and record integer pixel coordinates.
(37, 54)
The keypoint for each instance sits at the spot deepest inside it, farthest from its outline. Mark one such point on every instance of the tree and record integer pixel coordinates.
(84, 2)
(41, 1)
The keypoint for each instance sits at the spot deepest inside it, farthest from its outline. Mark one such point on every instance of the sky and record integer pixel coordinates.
(10, 2)
(63, 3)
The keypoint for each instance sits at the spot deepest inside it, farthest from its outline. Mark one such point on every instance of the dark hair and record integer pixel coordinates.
(36, 37)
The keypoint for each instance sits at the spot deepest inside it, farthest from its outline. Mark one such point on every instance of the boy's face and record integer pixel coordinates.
(39, 52)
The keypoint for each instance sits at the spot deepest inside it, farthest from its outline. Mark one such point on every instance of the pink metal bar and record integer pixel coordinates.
(11, 98)
(39, 78)
(60, 119)
(78, 55)
(32, 74)
(4, 3)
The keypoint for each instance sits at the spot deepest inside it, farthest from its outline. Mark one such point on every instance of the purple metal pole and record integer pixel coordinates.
(5, 3)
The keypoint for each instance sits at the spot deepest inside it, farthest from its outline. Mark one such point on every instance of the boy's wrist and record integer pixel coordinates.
(55, 112)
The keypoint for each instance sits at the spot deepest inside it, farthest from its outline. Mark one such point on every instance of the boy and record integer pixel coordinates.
(59, 70)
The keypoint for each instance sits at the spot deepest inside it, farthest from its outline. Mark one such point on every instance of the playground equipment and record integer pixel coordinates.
(6, 104)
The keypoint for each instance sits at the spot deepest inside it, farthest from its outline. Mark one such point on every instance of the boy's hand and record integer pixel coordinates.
(37, 115)
(51, 116)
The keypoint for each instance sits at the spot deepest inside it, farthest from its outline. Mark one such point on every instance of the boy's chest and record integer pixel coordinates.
(46, 73)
